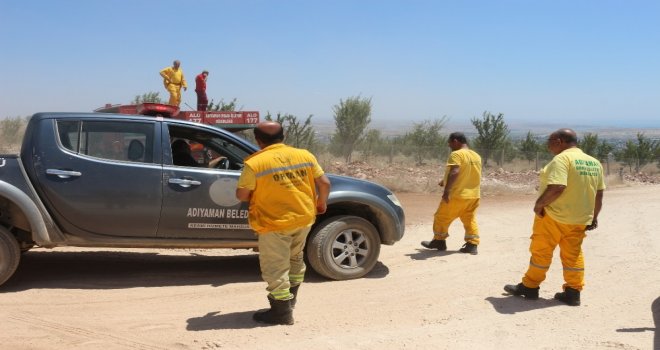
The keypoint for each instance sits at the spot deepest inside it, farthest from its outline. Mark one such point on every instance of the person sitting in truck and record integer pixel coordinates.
(182, 156)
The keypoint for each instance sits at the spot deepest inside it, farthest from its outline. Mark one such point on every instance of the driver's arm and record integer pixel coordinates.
(214, 162)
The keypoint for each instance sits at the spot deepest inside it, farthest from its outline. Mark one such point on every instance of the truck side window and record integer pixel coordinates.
(122, 140)
(68, 132)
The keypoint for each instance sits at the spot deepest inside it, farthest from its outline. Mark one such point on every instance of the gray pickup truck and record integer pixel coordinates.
(110, 180)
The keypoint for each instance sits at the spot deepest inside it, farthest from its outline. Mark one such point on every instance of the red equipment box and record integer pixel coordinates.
(229, 120)
(223, 119)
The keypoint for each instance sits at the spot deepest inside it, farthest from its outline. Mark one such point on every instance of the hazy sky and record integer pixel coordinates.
(560, 61)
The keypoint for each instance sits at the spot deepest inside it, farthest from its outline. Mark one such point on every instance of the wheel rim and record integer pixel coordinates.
(350, 249)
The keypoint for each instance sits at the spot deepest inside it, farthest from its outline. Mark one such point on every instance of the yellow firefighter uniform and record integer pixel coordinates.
(464, 196)
(566, 218)
(173, 80)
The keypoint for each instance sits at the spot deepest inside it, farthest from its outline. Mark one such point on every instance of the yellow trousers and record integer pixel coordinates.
(175, 94)
(546, 235)
(281, 261)
(465, 209)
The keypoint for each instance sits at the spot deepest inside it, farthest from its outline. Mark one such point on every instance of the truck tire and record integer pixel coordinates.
(343, 247)
(10, 254)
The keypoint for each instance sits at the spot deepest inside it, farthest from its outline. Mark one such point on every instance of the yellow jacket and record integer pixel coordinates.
(171, 76)
(284, 191)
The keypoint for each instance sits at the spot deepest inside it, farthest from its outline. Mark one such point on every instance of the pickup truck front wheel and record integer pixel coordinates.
(10, 254)
(343, 247)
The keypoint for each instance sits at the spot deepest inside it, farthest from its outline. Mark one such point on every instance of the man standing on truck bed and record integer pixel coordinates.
(286, 188)
(200, 90)
(174, 80)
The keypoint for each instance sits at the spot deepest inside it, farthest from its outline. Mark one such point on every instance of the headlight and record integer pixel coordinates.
(394, 200)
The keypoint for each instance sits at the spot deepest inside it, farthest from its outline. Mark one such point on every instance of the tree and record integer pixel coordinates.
(493, 134)
(222, 106)
(11, 131)
(638, 154)
(352, 117)
(599, 150)
(603, 150)
(529, 147)
(296, 133)
(300, 134)
(425, 140)
(627, 154)
(589, 144)
(506, 153)
(148, 97)
(371, 144)
(645, 150)
(398, 145)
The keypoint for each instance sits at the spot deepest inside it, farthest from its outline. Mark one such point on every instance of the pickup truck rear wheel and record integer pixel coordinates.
(10, 254)
(343, 247)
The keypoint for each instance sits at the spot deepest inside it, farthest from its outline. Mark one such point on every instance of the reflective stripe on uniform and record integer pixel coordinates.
(297, 278)
(538, 266)
(284, 168)
(573, 268)
(441, 235)
(471, 236)
(281, 294)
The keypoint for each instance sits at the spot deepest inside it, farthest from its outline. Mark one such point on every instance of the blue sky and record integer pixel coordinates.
(564, 62)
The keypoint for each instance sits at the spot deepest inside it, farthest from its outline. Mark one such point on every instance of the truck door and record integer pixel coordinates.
(101, 177)
(199, 186)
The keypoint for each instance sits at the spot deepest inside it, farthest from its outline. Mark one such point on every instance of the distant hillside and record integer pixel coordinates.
(518, 129)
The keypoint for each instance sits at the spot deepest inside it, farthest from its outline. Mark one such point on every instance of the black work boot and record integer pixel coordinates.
(520, 290)
(469, 248)
(280, 313)
(439, 244)
(569, 296)
(294, 291)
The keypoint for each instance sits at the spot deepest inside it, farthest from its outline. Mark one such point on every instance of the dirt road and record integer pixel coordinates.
(414, 299)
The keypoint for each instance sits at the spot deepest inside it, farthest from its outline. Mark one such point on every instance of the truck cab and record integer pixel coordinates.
(110, 180)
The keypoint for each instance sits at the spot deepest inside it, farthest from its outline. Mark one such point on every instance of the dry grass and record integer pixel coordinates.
(516, 177)
(402, 174)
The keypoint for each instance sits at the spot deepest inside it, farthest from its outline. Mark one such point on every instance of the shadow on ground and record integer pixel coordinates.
(119, 270)
(655, 310)
(217, 320)
(512, 304)
(423, 254)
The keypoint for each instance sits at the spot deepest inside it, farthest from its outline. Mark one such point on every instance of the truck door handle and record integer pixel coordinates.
(63, 174)
(184, 182)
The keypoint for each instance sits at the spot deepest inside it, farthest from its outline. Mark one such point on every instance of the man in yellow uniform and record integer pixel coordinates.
(286, 188)
(571, 197)
(174, 80)
(460, 198)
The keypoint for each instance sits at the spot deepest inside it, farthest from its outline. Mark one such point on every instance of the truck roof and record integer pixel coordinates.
(113, 116)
